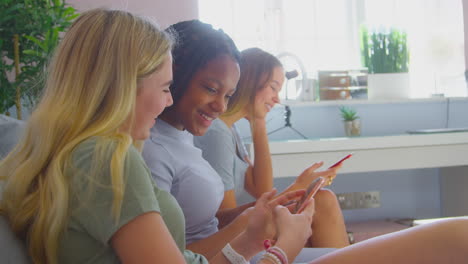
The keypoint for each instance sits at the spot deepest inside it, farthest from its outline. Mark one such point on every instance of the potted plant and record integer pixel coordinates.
(352, 122)
(29, 32)
(385, 54)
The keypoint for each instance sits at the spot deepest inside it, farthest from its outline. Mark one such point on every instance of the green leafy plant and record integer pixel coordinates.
(348, 114)
(29, 32)
(384, 50)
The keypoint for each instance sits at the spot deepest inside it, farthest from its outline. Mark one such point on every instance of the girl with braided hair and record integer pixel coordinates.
(206, 72)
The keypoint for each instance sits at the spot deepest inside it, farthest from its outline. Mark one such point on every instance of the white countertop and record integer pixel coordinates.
(397, 152)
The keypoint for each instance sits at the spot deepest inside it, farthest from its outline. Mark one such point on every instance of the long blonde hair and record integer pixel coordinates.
(90, 91)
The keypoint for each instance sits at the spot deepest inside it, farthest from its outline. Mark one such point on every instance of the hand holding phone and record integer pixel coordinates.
(330, 179)
(310, 192)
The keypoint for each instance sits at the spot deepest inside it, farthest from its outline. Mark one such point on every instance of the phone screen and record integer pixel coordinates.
(310, 192)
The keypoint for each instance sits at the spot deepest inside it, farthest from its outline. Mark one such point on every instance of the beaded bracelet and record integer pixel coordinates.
(279, 253)
(233, 256)
(271, 258)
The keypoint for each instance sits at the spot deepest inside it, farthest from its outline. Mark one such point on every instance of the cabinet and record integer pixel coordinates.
(343, 85)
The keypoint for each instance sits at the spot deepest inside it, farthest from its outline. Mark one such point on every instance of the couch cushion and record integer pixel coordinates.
(11, 130)
(12, 249)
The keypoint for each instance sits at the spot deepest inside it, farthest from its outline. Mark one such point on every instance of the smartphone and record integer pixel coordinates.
(310, 192)
(341, 160)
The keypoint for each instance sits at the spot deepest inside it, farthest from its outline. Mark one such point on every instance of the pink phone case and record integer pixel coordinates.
(310, 192)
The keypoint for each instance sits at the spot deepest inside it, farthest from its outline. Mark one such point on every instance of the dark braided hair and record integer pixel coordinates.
(196, 43)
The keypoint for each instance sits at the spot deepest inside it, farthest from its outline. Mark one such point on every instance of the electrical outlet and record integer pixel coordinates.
(346, 200)
(367, 199)
(356, 200)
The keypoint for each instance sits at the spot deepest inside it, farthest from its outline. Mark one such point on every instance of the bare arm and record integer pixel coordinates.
(309, 175)
(213, 244)
(229, 201)
(441, 242)
(242, 244)
(228, 214)
(232, 233)
(259, 175)
(263, 225)
(146, 239)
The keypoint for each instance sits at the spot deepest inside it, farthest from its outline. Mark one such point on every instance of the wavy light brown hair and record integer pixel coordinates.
(90, 92)
(256, 66)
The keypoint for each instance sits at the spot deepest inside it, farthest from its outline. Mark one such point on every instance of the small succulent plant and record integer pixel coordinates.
(348, 114)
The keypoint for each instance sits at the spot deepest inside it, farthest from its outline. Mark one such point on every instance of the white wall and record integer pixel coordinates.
(167, 12)
(465, 23)
(164, 12)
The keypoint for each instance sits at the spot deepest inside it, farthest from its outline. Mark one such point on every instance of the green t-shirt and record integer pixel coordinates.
(91, 223)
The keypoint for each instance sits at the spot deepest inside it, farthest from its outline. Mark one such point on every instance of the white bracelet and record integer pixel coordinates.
(233, 256)
(271, 258)
(278, 249)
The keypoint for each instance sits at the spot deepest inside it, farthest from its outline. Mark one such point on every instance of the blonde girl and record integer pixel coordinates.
(76, 189)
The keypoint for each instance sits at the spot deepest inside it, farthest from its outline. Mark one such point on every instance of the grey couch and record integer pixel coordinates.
(12, 249)
(11, 130)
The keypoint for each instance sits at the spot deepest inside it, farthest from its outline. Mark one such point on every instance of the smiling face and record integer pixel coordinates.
(152, 97)
(206, 96)
(268, 95)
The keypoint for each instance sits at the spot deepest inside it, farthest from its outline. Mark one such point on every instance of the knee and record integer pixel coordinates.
(326, 201)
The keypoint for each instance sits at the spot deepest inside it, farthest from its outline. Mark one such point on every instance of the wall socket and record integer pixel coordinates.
(357, 200)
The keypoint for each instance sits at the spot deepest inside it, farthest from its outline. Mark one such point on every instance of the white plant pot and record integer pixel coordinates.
(388, 86)
(352, 128)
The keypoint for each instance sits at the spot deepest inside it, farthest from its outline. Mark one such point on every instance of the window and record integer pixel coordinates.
(324, 34)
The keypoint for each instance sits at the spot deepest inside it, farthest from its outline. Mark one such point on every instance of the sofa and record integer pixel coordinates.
(12, 250)
(10, 130)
